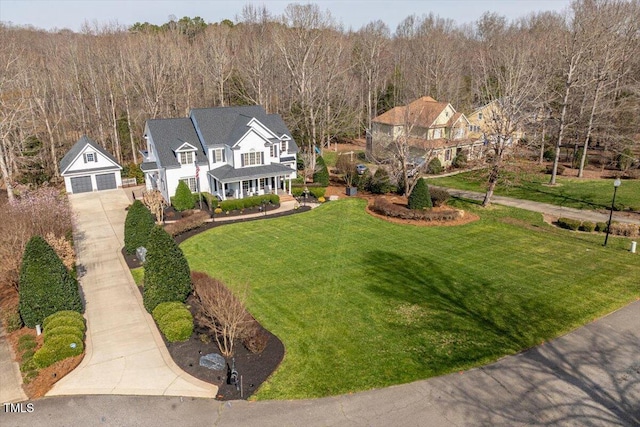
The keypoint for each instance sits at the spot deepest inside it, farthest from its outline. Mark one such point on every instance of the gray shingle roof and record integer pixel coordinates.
(228, 174)
(169, 134)
(148, 166)
(77, 149)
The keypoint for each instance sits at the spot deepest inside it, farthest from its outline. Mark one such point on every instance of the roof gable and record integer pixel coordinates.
(169, 136)
(79, 148)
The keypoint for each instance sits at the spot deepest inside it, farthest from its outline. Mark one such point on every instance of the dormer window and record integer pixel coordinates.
(479, 116)
(283, 146)
(185, 158)
(90, 157)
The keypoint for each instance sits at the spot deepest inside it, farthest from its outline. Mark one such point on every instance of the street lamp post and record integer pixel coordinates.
(616, 184)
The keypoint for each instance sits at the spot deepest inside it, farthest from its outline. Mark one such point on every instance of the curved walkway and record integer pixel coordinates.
(589, 377)
(545, 208)
(125, 353)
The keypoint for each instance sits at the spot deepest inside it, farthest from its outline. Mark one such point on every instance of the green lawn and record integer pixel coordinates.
(361, 303)
(570, 192)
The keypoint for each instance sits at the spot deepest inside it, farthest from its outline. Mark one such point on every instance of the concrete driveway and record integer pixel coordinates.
(125, 353)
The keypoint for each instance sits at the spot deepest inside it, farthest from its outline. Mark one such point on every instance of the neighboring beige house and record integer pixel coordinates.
(482, 122)
(434, 127)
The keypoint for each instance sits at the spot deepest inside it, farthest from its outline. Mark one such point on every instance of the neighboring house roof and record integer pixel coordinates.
(169, 135)
(227, 173)
(78, 147)
(440, 143)
(422, 112)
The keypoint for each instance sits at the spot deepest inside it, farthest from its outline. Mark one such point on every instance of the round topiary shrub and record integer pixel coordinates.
(58, 348)
(180, 330)
(65, 321)
(46, 286)
(166, 276)
(321, 173)
(183, 199)
(166, 307)
(63, 330)
(137, 226)
(174, 320)
(419, 197)
(62, 314)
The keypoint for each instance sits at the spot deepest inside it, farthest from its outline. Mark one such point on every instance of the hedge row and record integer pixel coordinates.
(137, 227)
(174, 321)
(569, 224)
(63, 337)
(248, 202)
(392, 210)
(185, 224)
(208, 198)
(617, 229)
(46, 286)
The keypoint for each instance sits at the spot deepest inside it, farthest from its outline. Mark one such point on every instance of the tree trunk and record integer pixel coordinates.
(5, 173)
(563, 118)
(583, 158)
(493, 180)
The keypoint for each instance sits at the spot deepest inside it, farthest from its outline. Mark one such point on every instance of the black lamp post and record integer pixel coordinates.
(616, 184)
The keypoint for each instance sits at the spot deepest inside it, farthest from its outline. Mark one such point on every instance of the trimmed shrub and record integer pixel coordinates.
(439, 196)
(137, 226)
(197, 219)
(392, 210)
(248, 202)
(601, 227)
(66, 321)
(255, 338)
(174, 321)
(46, 286)
(568, 223)
(317, 192)
(627, 230)
(380, 183)
(212, 201)
(183, 199)
(434, 166)
(63, 314)
(166, 274)
(57, 348)
(63, 330)
(321, 173)
(587, 226)
(419, 197)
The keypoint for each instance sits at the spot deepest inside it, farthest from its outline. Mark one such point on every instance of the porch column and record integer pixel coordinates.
(289, 184)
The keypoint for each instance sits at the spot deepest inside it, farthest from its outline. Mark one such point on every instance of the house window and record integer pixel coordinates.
(263, 183)
(447, 155)
(185, 158)
(252, 158)
(218, 156)
(479, 116)
(191, 183)
(90, 157)
(245, 186)
(283, 146)
(274, 150)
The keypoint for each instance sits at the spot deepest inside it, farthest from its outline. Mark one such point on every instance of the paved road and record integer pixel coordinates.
(557, 211)
(125, 353)
(590, 377)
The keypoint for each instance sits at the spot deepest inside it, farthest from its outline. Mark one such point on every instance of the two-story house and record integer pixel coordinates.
(434, 127)
(227, 151)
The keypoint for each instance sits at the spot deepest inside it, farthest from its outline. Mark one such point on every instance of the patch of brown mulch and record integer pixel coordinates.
(254, 369)
(48, 376)
(402, 201)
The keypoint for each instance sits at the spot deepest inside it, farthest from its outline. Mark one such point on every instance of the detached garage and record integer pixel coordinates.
(88, 167)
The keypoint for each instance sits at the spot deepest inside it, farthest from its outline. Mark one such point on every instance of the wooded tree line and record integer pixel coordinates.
(570, 79)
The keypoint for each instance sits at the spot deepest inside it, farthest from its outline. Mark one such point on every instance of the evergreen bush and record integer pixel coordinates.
(64, 318)
(380, 183)
(419, 197)
(601, 227)
(46, 286)
(569, 224)
(183, 199)
(57, 348)
(174, 321)
(137, 227)
(434, 166)
(460, 160)
(166, 275)
(587, 226)
(321, 174)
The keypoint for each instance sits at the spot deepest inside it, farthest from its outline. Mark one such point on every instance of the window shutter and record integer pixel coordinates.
(262, 157)
(84, 156)
(242, 160)
(95, 157)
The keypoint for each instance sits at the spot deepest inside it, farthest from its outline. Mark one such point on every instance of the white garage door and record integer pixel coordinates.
(106, 181)
(81, 184)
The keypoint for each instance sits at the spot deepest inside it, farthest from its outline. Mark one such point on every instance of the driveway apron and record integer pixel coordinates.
(125, 353)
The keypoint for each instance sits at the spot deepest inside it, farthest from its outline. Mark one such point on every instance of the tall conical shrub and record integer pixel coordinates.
(183, 199)
(321, 175)
(137, 226)
(420, 197)
(166, 272)
(46, 286)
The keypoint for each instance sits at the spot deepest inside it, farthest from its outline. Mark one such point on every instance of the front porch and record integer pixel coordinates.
(229, 183)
